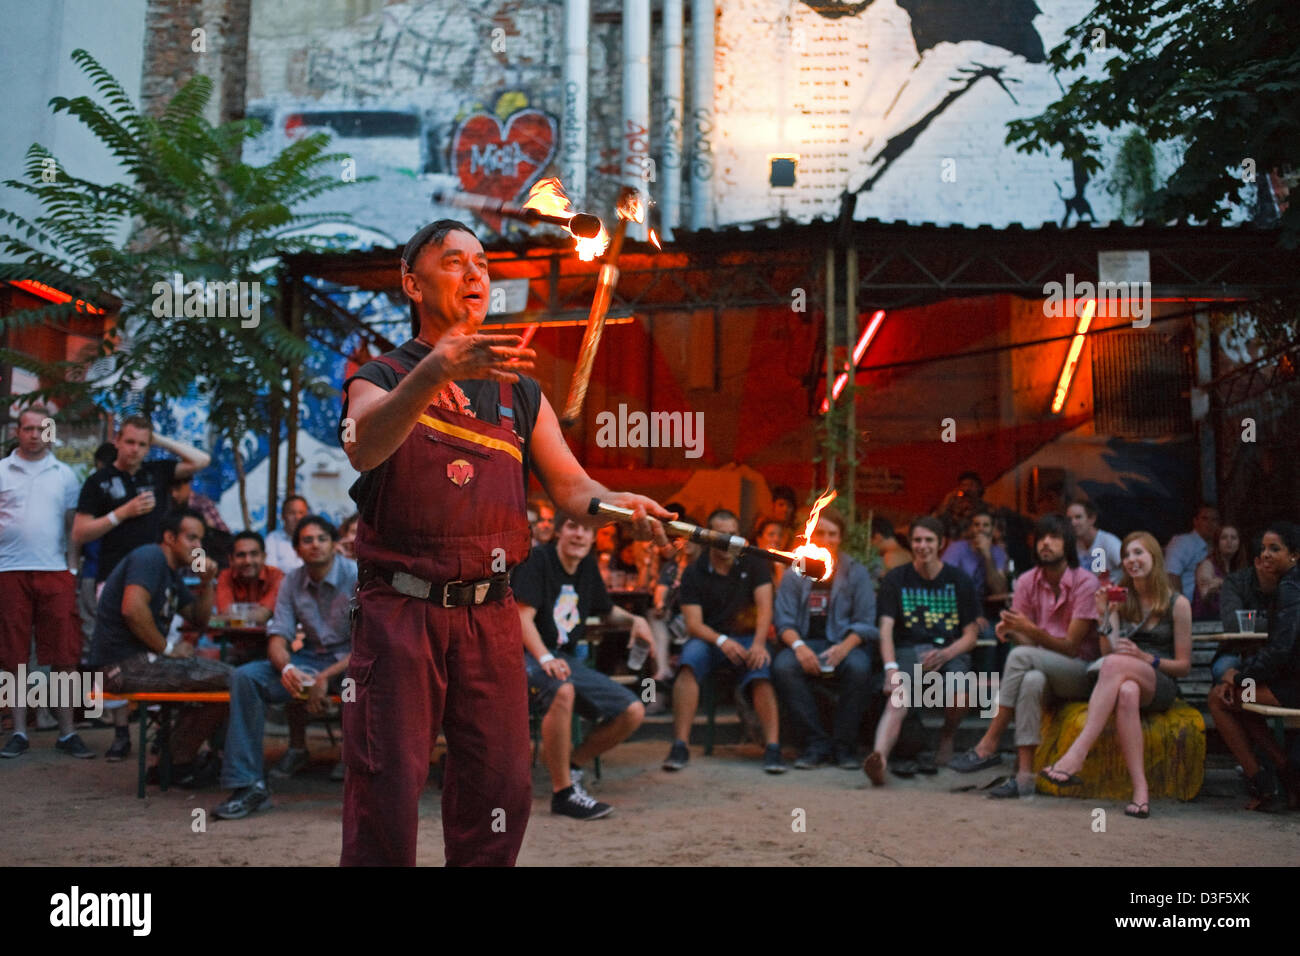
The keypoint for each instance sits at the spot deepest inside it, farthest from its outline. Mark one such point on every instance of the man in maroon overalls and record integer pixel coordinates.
(443, 430)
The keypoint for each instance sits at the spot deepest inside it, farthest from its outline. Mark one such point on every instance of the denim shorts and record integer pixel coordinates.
(595, 695)
(702, 657)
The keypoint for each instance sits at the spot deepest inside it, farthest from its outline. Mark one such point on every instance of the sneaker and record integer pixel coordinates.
(846, 759)
(772, 762)
(925, 764)
(678, 757)
(16, 747)
(119, 750)
(812, 759)
(1009, 789)
(293, 760)
(969, 761)
(242, 802)
(569, 802)
(74, 747)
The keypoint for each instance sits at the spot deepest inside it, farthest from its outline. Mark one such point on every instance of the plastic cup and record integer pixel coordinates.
(1246, 621)
(306, 678)
(637, 656)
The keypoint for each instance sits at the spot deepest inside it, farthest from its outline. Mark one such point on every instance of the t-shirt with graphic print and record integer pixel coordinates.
(563, 601)
(932, 612)
(146, 567)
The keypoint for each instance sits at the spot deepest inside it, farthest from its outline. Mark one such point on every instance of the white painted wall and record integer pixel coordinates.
(36, 43)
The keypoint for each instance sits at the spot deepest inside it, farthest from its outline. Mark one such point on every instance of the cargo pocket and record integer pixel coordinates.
(361, 752)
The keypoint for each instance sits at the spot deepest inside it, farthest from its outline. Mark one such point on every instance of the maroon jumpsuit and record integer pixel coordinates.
(448, 505)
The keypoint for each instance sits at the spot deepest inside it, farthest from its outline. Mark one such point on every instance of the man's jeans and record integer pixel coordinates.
(252, 687)
(852, 679)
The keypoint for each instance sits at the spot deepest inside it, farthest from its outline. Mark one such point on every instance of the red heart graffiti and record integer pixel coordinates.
(503, 162)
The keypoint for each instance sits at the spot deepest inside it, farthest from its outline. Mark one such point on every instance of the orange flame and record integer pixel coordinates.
(548, 196)
(810, 550)
(589, 249)
(655, 239)
(631, 206)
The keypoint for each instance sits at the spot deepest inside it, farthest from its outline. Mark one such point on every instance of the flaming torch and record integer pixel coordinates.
(546, 203)
(809, 553)
(631, 208)
(810, 565)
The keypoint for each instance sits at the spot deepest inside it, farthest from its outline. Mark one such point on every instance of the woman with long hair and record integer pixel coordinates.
(1147, 643)
(1274, 674)
(1229, 554)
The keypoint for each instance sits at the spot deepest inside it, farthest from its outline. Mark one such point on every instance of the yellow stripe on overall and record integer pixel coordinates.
(464, 433)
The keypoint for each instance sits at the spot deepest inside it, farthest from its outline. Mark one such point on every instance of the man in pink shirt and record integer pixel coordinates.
(1053, 622)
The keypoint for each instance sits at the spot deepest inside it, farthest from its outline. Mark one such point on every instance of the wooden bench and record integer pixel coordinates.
(1282, 717)
(166, 701)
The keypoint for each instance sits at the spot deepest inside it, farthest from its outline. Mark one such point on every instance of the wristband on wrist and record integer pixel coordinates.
(286, 667)
(722, 639)
(891, 665)
(797, 644)
(1155, 662)
(546, 658)
(113, 519)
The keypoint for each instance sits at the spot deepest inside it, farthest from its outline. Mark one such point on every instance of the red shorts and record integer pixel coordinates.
(46, 601)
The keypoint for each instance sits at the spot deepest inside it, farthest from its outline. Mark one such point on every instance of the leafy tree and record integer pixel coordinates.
(188, 206)
(1218, 81)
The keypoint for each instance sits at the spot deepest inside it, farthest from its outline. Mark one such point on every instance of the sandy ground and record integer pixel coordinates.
(720, 811)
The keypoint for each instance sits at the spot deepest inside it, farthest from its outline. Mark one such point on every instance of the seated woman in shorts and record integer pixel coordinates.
(1147, 643)
(1274, 676)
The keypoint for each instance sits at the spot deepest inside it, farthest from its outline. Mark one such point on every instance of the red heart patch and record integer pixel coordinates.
(503, 162)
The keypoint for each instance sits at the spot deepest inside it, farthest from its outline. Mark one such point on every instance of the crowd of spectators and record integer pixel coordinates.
(123, 572)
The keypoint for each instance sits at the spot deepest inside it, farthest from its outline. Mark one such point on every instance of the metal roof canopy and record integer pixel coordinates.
(900, 265)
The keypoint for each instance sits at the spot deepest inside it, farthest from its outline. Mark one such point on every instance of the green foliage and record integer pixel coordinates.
(1218, 81)
(188, 205)
(1134, 175)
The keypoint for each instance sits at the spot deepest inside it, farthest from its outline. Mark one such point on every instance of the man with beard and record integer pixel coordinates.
(1053, 622)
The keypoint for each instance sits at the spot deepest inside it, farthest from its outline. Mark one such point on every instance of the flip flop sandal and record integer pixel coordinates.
(1142, 812)
(1073, 780)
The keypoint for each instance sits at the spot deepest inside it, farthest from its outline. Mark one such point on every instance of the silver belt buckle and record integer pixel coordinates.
(411, 586)
(446, 592)
(481, 590)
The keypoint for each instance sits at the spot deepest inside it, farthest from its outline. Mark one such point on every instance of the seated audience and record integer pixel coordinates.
(927, 617)
(249, 581)
(1053, 624)
(348, 535)
(317, 597)
(280, 552)
(1185, 551)
(541, 518)
(557, 588)
(774, 536)
(136, 606)
(885, 540)
(1147, 642)
(785, 508)
(822, 629)
(665, 616)
(982, 560)
(1098, 550)
(1229, 555)
(727, 604)
(1272, 677)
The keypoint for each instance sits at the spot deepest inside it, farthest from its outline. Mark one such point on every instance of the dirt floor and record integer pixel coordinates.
(720, 811)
